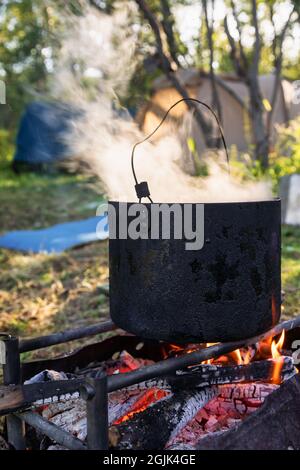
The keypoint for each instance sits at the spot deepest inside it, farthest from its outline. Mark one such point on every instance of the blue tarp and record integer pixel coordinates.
(58, 238)
(40, 138)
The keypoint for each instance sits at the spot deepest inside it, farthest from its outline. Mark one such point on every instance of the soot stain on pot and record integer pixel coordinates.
(196, 266)
(152, 260)
(131, 262)
(222, 270)
(256, 281)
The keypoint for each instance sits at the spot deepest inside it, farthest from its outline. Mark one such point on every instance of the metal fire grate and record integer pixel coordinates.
(16, 399)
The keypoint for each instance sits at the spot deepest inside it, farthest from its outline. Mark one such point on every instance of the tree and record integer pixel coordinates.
(245, 61)
(167, 68)
(26, 49)
(246, 65)
(210, 42)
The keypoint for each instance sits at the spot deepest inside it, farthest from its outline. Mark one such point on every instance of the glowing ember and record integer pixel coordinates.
(240, 392)
(147, 399)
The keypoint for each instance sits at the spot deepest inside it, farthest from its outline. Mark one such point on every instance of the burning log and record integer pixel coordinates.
(273, 427)
(252, 391)
(214, 374)
(233, 404)
(170, 415)
(206, 375)
(123, 404)
(168, 366)
(71, 416)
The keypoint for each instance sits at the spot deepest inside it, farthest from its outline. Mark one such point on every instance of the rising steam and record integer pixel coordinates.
(94, 68)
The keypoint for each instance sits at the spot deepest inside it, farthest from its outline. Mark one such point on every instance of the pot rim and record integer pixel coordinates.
(264, 201)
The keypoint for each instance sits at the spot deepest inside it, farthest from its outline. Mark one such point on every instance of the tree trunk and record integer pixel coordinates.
(167, 69)
(260, 135)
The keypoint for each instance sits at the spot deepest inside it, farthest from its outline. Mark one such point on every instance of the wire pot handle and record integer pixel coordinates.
(142, 188)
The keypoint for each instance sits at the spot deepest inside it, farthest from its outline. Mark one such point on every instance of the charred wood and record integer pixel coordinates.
(169, 415)
(233, 404)
(168, 366)
(274, 426)
(214, 374)
(206, 375)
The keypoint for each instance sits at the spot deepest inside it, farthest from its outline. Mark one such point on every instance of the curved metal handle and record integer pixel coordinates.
(142, 189)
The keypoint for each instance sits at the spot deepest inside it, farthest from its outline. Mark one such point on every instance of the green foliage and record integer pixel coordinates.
(201, 168)
(6, 148)
(27, 47)
(284, 160)
(290, 271)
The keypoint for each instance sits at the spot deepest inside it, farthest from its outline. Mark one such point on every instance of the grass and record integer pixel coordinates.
(40, 294)
(290, 270)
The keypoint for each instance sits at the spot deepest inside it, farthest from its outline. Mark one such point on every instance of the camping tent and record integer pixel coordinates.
(234, 98)
(40, 139)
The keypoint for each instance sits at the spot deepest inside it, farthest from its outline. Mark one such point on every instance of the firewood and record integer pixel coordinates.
(251, 391)
(169, 415)
(228, 409)
(272, 427)
(71, 415)
(206, 375)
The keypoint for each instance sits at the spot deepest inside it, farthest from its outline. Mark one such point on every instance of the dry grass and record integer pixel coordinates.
(41, 293)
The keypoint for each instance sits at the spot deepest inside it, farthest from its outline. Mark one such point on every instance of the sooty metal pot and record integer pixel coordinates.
(228, 290)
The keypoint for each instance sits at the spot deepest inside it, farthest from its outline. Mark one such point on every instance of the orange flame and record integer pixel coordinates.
(278, 358)
(209, 361)
(277, 347)
(247, 357)
(266, 348)
(237, 356)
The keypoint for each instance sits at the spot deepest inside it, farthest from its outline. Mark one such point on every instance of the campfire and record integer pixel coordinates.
(153, 384)
(214, 396)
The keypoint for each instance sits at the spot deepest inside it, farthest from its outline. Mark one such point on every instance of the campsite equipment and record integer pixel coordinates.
(228, 290)
(58, 238)
(41, 137)
(233, 98)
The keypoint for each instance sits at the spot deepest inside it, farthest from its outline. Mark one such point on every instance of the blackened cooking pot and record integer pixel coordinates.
(227, 290)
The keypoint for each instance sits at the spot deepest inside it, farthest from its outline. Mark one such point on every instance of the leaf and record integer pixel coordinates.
(191, 144)
(267, 105)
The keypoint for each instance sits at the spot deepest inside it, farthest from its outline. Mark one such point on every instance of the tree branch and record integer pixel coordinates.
(240, 71)
(209, 32)
(169, 72)
(257, 44)
(239, 28)
(278, 57)
(168, 27)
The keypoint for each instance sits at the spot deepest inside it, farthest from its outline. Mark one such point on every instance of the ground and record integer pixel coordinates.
(40, 294)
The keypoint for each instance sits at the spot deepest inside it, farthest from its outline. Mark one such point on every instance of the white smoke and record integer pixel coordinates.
(100, 49)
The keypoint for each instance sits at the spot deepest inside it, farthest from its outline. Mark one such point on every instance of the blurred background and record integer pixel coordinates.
(81, 81)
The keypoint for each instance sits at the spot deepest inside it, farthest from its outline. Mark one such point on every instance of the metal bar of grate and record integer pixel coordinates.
(12, 375)
(64, 336)
(55, 433)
